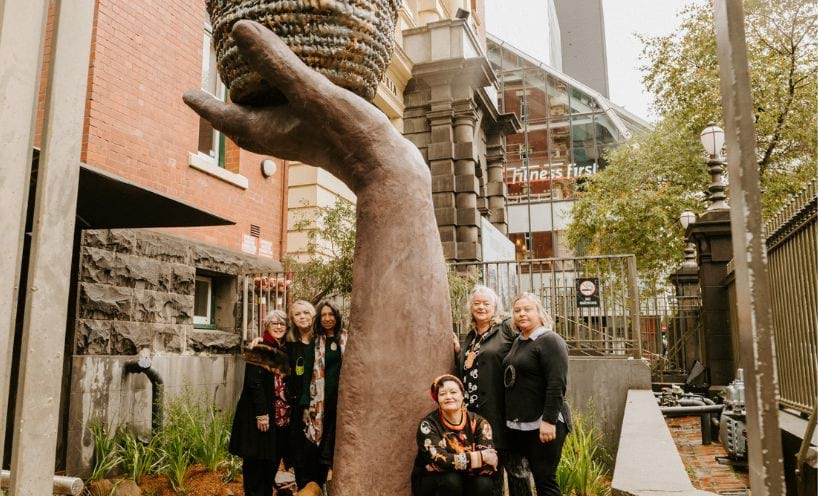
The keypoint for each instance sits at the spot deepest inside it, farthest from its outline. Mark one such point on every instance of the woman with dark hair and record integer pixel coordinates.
(258, 435)
(480, 366)
(536, 377)
(320, 393)
(455, 449)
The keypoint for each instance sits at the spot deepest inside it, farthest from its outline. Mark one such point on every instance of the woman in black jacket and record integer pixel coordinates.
(253, 436)
(480, 365)
(535, 377)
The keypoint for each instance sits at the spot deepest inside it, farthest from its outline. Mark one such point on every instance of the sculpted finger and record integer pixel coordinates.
(227, 118)
(276, 63)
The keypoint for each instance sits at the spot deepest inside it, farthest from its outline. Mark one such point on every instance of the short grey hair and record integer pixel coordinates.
(485, 291)
(275, 316)
(545, 317)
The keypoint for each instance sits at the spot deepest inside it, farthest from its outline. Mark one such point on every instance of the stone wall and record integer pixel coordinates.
(599, 386)
(136, 287)
(135, 290)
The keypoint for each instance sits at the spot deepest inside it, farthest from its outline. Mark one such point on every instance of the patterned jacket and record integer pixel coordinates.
(445, 447)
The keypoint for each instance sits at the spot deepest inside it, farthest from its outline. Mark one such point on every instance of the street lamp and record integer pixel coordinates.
(685, 219)
(712, 138)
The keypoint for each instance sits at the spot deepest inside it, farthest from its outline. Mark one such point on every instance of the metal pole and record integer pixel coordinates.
(22, 25)
(636, 320)
(749, 255)
(38, 398)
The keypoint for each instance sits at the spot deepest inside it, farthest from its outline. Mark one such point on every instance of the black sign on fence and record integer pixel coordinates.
(588, 292)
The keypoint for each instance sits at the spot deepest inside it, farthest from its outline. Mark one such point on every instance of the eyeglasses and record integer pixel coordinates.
(276, 324)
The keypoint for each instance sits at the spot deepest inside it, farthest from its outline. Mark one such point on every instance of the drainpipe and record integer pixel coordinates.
(143, 366)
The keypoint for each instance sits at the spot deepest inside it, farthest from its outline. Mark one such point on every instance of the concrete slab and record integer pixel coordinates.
(648, 462)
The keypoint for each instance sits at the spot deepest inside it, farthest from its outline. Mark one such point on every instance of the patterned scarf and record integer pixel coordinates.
(314, 414)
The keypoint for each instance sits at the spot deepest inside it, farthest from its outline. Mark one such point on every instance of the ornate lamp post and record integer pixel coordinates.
(712, 138)
(685, 219)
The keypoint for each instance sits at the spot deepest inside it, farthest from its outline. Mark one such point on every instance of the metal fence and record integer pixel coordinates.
(594, 300)
(671, 334)
(792, 259)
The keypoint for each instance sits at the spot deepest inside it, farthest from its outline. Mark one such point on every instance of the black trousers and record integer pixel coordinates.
(316, 460)
(543, 458)
(258, 476)
(453, 484)
(518, 475)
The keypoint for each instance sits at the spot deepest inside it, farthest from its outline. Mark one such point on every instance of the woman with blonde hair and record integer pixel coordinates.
(299, 342)
(535, 376)
(480, 367)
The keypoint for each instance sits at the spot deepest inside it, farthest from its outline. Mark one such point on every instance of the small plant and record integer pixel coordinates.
(106, 453)
(209, 431)
(177, 460)
(232, 467)
(583, 467)
(138, 458)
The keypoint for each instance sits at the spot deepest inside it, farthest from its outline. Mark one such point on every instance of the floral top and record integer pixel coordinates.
(444, 447)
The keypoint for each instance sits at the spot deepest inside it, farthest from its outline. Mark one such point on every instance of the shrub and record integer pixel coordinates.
(138, 458)
(106, 453)
(583, 467)
(209, 431)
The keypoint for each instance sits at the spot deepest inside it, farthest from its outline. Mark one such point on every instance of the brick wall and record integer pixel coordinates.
(143, 57)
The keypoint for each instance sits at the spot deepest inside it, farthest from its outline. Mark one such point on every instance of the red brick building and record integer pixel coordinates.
(150, 161)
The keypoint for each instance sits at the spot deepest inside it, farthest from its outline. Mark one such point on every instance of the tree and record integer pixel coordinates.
(327, 271)
(634, 204)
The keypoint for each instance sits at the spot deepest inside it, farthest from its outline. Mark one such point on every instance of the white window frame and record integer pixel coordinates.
(207, 319)
(221, 92)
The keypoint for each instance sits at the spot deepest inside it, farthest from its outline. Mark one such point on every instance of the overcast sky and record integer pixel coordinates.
(519, 23)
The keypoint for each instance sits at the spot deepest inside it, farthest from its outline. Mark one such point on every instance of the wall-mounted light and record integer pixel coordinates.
(268, 167)
(462, 14)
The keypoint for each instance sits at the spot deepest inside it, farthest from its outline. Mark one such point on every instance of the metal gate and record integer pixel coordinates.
(594, 300)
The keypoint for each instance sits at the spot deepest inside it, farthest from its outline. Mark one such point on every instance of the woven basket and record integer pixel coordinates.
(348, 41)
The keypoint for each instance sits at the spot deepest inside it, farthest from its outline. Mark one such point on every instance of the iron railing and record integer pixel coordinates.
(792, 259)
(671, 334)
(607, 324)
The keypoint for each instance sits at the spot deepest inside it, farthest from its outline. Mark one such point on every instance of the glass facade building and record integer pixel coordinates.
(566, 129)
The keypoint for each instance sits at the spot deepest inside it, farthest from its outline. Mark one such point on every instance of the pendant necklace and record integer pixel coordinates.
(473, 350)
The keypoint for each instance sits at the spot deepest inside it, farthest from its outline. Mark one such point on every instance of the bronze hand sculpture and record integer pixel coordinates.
(400, 334)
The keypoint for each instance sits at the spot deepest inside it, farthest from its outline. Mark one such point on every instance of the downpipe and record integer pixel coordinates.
(143, 366)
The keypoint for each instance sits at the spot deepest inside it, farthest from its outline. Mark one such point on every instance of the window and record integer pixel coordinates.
(211, 142)
(203, 302)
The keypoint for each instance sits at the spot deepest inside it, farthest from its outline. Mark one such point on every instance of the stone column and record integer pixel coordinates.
(496, 190)
(466, 182)
(686, 282)
(711, 235)
(441, 162)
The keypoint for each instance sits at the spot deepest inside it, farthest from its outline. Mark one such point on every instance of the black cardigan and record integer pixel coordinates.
(540, 379)
(490, 391)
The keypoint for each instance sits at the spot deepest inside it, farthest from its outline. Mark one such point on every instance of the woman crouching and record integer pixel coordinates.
(456, 453)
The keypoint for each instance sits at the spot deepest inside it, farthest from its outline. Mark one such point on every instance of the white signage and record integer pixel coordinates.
(248, 244)
(265, 248)
(544, 172)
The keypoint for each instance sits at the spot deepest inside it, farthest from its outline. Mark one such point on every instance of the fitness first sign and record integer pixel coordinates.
(543, 172)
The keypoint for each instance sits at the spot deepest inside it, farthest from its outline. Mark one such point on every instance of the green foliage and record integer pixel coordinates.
(106, 453)
(583, 467)
(460, 284)
(138, 458)
(232, 467)
(634, 204)
(327, 270)
(209, 431)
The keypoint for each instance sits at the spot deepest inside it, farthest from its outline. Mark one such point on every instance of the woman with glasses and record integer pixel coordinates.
(259, 435)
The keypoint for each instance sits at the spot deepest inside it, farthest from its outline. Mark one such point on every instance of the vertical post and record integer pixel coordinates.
(244, 303)
(38, 398)
(636, 319)
(22, 25)
(750, 258)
